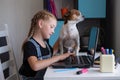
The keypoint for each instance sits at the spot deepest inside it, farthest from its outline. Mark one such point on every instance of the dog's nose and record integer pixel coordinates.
(83, 16)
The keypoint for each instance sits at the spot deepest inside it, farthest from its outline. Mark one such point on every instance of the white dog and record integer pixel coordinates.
(69, 40)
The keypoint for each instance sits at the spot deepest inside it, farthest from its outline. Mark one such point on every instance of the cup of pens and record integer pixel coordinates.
(107, 60)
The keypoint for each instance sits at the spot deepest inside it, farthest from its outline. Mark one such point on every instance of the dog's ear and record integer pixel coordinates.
(76, 12)
(67, 14)
(66, 17)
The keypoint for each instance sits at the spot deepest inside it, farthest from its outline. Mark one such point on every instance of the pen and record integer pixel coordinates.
(103, 50)
(111, 51)
(82, 71)
(107, 51)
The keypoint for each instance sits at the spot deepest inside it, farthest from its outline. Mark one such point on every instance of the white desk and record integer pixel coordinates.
(92, 74)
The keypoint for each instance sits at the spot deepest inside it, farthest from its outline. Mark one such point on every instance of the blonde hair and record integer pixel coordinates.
(44, 15)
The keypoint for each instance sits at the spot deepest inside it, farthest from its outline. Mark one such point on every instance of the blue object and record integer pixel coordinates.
(63, 70)
(110, 51)
(92, 8)
(107, 51)
(93, 39)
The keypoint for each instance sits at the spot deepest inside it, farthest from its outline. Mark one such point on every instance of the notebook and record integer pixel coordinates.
(83, 60)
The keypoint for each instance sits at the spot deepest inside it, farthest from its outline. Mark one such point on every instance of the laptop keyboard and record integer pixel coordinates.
(75, 62)
(79, 60)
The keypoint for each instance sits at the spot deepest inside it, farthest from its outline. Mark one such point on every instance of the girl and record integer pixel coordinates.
(36, 49)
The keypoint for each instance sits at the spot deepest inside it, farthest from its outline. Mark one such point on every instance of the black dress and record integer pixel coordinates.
(30, 50)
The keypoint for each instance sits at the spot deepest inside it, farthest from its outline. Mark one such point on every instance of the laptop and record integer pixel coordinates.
(84, 60)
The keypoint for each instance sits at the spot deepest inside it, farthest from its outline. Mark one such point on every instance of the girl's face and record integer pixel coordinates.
(47, 27)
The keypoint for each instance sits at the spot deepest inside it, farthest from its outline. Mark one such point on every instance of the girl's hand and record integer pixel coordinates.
(65, 55)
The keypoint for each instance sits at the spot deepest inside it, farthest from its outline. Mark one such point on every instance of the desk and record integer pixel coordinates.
(92, 74)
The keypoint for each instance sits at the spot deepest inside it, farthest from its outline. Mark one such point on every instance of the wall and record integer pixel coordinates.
(117, 27)
(17, 14)
(109, 25)
(112, 29)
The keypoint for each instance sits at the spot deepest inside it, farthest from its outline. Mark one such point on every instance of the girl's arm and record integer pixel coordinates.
(36, 64)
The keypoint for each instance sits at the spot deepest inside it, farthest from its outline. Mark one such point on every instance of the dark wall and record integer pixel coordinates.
(109, 28)
(112, 34)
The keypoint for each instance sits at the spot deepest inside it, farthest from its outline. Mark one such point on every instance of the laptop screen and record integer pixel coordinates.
(93, 39)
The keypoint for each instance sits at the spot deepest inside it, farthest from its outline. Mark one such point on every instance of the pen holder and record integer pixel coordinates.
(107, 63)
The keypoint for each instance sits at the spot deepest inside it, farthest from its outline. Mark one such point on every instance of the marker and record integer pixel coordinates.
(82, 71)
(107, 51)
(111, 51)
(103, 50)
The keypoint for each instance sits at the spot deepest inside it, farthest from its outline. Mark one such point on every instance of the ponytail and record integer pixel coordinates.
(44, 15)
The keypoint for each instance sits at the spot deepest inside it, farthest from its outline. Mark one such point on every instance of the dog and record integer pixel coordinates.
(69, 40)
